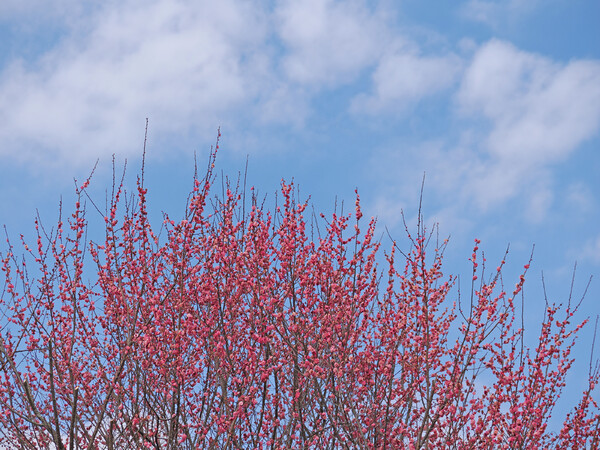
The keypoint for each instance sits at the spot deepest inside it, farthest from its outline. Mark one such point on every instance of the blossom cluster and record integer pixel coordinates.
(249, 328)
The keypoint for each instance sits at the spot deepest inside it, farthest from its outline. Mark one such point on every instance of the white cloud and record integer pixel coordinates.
(182, 64)
(523, 114)
(540, 110)
(403, 77)
(329, 42)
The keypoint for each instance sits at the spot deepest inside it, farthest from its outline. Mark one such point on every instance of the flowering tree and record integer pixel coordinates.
(256, 329)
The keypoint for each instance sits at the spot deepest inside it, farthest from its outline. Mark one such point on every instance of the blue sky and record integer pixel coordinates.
(497, 102)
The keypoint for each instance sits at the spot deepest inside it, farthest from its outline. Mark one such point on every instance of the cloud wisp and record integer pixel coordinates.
(403, 77)
(495, 12)
(329, 43)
